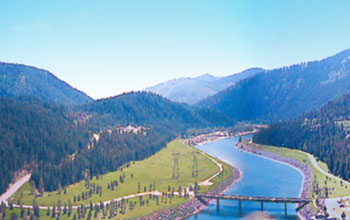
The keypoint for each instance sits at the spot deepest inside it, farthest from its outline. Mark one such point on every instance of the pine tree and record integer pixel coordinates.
(64, 208)
(41, 186)
(32, 187)
(69, 207)
(13, 216)
(53, 215)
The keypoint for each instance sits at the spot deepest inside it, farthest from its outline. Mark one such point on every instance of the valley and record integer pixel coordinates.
(160, 138)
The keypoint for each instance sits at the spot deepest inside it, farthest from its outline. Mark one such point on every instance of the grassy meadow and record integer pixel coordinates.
(155, 173)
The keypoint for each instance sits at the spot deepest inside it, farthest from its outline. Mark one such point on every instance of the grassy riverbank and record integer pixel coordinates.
(336, 188)
(152, 174)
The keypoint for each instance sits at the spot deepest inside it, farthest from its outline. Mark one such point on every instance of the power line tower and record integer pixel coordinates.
(176, 169)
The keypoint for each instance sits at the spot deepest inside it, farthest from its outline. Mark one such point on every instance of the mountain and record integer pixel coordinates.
(35, 133)
(20, 80)
(162, 121)
(192, 90)
(149, 109)
(44, 139)
(286, 92)
(324, 133)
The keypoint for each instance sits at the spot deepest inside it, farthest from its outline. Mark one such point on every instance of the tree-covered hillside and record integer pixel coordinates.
(148, 109)
(112, 150)
(324, 133)
(287, 92)
(19, 80)
(51, 142)
(162, 119)
(32, 132)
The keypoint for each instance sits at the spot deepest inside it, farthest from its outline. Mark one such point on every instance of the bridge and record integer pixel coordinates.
(302, 202)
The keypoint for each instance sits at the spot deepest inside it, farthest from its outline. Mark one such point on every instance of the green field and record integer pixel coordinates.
(156, 170)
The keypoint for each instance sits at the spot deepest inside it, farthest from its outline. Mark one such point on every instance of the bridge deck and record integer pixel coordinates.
(255, 198)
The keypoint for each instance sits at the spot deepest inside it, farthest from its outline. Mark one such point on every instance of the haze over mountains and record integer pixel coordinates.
(192, 90)
(286, 92)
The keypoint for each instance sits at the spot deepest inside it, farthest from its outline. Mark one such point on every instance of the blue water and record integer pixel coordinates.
(260, 177)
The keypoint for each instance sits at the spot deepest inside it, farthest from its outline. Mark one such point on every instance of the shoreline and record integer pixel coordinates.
(277, 161)
(301, 168)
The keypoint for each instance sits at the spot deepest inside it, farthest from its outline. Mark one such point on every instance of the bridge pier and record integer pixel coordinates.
(262, 206)
(217, 204)
(285, 209)
(240, 206)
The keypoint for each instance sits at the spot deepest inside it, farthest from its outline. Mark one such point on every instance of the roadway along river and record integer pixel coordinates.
(260, 177)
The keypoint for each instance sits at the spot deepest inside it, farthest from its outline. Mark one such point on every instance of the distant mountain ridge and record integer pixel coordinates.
(286, 92)
(192, 90)
(149, 109)
(20, 80)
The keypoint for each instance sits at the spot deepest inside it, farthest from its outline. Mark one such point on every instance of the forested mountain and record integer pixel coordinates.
(148, 109)
(32, 132)
(50, 140)
(324, 133)
(111, 151)
(192, 90)
(20, 80)
(285, 93)
(164, 120)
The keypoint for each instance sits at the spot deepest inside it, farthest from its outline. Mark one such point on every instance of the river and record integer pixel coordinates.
(260, 177)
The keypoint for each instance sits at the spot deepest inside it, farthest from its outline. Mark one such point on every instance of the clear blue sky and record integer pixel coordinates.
(108, 47)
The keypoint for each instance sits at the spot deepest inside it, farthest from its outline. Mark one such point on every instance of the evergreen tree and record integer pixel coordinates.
(41, 186)
(13, 216)
(53, 215)
(69, 207)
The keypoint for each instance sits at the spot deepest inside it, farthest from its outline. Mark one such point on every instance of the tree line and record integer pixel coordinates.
(48, 139)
